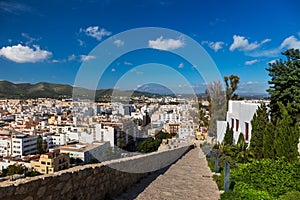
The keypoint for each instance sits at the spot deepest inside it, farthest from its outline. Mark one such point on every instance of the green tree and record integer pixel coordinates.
(258, 122)
(241, 138)
(41, 147)
(121, 143)
(286, 134)
(228, 138)
(231, 83)
(268, 141)
(151, 144)
(15, 169)
(285, 83)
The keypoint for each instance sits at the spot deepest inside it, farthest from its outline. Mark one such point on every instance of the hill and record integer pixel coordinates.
(51, 90)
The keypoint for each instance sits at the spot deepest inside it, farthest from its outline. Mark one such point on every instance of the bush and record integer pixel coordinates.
(152, 144)
(276, 177)
(294, 195)
(243, 191)
(219, 180)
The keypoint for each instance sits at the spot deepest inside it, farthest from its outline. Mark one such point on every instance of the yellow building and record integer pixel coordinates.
(51, 162)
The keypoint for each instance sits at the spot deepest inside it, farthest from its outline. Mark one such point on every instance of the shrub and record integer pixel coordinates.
(276, 177)
(243, 191)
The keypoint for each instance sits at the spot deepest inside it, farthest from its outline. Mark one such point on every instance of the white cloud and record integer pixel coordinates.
(56, 61)
(127, 63)
(15, 8)
(119, 43)
(30, 40)
(181, 65)
(272, 62)
(84, 58)
(59, 60)
(290, 42)
(95, 32)
(242, 44)
(81, 43)
(216, 46)
(165, 44)
(71, 57)
(252, 83)
(251, 62)
(24, 54)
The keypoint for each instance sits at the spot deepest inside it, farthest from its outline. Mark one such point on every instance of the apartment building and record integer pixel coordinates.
(5, 145)
(86, 151)
(239, 116)
(51, 162)
(23, 144)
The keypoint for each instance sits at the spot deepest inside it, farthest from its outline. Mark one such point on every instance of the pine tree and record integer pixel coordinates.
(286, 134)
(285, 83)
(228, 138)
(268, 141)
(241, 138)
(258, 122)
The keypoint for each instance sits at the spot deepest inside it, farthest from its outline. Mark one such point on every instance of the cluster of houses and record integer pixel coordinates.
(45, 134)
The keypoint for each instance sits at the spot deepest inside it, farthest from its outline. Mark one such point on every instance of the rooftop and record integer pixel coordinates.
(81, 147)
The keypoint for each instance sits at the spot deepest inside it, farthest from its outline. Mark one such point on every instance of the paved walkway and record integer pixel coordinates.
(188, 178)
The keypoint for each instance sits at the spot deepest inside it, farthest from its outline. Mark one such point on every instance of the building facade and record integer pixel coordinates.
(239, 116)
(51, 162)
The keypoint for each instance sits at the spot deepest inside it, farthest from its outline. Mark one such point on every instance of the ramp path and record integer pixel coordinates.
(188, 178)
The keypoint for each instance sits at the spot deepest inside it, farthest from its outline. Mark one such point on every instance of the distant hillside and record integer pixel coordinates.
(43, 89)
(27, 90)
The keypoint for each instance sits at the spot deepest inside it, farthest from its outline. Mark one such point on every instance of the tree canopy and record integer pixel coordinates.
(231, 86)
(258, 122)
(285, 83)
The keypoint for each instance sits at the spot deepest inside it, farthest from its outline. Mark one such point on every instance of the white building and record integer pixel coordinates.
(23, 144)
(105, 133)
(4, 163)
(239, 116)
(169, 117)
(187, 129)
(96, 133)
(5, 145)
(86, 152)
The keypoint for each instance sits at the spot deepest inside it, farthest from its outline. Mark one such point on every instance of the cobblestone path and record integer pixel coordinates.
(188, 178)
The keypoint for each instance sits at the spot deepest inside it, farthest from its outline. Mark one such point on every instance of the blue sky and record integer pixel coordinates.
(49, 40)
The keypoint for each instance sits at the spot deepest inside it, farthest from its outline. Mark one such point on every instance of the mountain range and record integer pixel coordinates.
(44, 89)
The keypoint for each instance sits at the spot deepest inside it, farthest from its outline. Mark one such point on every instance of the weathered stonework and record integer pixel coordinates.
(94, 181)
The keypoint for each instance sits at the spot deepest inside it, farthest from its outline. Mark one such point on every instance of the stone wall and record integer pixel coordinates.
(94, 181)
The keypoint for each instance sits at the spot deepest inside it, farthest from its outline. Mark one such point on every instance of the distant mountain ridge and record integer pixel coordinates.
(53, 90)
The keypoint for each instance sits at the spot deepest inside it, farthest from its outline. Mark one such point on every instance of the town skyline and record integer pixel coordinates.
(48, 42)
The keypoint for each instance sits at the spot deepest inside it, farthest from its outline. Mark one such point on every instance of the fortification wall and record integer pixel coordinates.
(94, 181)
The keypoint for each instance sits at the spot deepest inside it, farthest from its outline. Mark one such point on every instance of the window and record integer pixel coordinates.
(232, 123)
(237, 125)
(43, 163)
(48, 163)
(246, 131)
